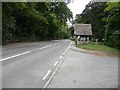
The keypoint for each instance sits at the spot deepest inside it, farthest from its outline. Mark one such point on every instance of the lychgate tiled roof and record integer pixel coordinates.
(82, 29)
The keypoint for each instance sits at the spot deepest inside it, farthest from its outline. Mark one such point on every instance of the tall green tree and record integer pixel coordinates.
(30, 21)
(112, 33)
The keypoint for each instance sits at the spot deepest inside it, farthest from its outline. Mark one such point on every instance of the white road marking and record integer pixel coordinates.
(47, 83)
(56, 63)
(46, 47)
(65, 50)
(23, 53)
(61, 57)
(46, 74)
(64, 53)
(68, 47)
(15, 56)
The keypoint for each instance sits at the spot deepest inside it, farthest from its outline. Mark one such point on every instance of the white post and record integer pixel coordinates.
(87, 39)
(84, 39)
(96, 41)
(81, 39)
(78, 39)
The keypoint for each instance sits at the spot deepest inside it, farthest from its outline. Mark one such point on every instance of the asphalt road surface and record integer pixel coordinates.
(52, 64)
(30, 65)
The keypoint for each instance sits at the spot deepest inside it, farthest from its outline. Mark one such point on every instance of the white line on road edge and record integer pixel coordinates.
(61, 57)
(56, 63)
(65, 50)
(15, 56)
(47, 83)
(68, 47)
(46, 74)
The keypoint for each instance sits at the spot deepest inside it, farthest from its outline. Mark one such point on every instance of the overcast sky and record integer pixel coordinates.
(77, 6)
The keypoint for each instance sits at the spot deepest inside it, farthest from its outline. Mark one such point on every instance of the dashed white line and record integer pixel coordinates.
(15, 56)
(24, 53)
(46, 47)
(64, 53)
(46, 74)
(56, 63)
(61, 57)
(65, 50)
(68, 47)
(47, 83)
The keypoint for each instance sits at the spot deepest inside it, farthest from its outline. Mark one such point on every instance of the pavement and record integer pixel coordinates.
(83, 70)
(56, 64)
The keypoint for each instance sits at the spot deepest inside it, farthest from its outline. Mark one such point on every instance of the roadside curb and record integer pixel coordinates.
(73, 47)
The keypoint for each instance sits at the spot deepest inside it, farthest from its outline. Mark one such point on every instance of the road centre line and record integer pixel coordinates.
(15, 56)
(22, 53)
(46, 74)
(46, 47)
(56, 63)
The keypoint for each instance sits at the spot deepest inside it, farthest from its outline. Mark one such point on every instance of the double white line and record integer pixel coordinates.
(46, 74)
(62, 58)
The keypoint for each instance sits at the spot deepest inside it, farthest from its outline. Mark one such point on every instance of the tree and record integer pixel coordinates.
(93, 14)
(112, 20)
(32, 21)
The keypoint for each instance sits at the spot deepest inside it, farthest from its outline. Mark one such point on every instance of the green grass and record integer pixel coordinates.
(98, 47)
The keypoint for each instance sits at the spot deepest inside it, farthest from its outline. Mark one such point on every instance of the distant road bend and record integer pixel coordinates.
(30, 65)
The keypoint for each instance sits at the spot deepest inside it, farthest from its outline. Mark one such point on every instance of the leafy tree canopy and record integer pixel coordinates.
(32, 21)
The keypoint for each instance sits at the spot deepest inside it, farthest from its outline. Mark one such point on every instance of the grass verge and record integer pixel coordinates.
(98, 47)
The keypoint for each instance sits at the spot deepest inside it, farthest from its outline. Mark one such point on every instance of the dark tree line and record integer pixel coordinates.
(33, 21)
(105, 20)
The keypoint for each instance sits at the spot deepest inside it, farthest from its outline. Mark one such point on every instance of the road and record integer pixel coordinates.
(30, 65)
(53, 64)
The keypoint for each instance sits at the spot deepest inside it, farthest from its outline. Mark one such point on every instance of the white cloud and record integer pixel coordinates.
(78, 6)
